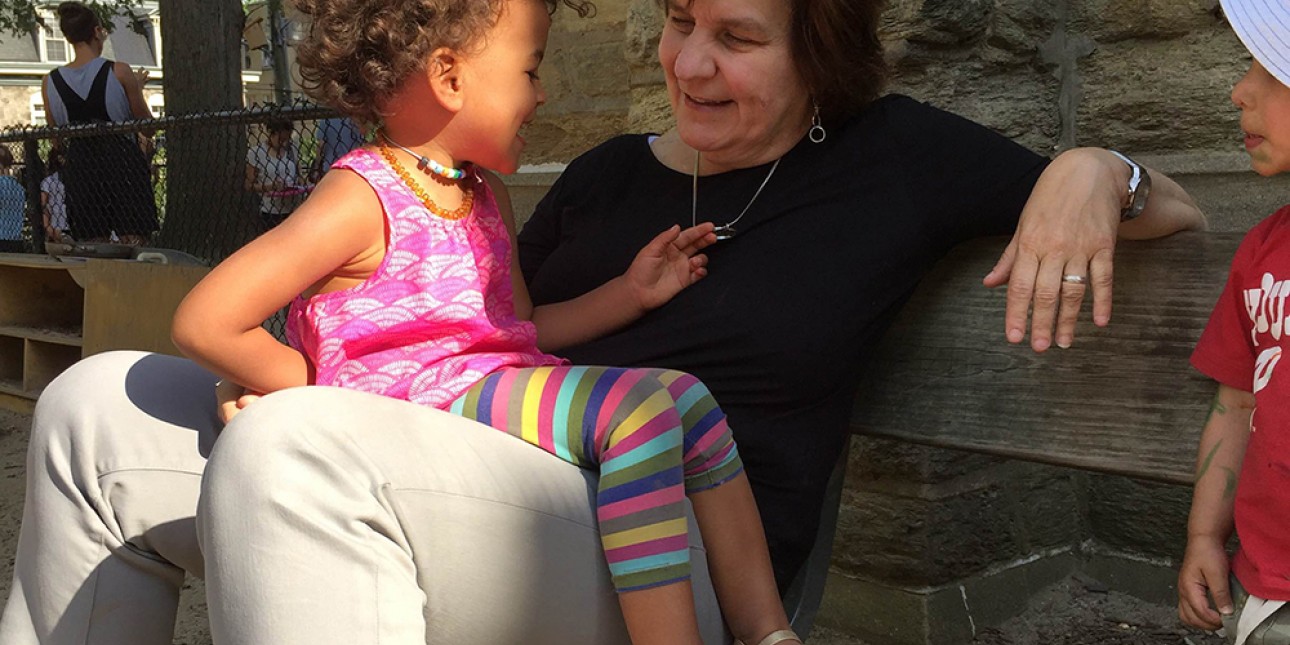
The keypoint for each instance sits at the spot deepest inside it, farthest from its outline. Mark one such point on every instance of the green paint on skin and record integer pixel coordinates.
(1216, 406)
(1204, 467)
(1229, 491)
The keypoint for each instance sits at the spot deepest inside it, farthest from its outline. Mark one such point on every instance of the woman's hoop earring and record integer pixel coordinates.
(817, 132)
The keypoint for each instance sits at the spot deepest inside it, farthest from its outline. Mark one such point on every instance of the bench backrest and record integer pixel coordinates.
(1122, 400)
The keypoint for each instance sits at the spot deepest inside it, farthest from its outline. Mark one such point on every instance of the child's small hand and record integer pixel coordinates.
(233, 398)
(1203, 575)
(670, 263)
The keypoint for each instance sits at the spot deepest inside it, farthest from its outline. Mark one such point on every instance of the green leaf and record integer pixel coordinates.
(20, 17)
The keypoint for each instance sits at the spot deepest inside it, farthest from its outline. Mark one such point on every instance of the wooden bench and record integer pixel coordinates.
(1123, 400)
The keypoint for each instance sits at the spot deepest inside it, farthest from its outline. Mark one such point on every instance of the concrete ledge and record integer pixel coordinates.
(1149, 579)
(950, 614)
(1198, 163)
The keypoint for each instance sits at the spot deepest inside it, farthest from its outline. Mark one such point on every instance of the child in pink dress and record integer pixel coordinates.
(401, 279)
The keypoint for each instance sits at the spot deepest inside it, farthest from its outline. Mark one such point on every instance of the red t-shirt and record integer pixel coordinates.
(1242, 347)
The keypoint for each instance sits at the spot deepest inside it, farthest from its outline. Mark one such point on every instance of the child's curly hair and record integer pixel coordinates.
(359, 51)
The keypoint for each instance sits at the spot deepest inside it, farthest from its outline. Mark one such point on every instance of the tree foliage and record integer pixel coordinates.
(20, 17)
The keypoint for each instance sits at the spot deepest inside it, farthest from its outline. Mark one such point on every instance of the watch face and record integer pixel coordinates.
(1139, 197)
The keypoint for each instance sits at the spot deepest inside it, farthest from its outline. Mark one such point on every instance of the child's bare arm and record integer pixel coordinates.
(333, 234)
(668, 264)
(1218, 463)
(45, 215)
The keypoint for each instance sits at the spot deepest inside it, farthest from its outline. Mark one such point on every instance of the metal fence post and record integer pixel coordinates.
(34, 171)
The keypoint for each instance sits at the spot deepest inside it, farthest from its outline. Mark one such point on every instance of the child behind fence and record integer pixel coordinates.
(13, 205)
(53, 199)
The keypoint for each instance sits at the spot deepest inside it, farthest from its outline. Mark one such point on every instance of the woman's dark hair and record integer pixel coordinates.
(6, 156)
(278, 124)
(77, 22)
(359, 51)
(55, 162)
(836, 50)
(838, 53)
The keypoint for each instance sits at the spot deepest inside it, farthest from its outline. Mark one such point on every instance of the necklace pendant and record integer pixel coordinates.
(724, 232)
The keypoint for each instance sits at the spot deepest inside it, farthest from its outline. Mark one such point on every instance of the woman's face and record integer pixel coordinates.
(279, 139)
(735, 91)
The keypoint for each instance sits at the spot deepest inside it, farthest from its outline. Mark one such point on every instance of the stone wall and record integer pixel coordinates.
(933, 544)
(15, 104)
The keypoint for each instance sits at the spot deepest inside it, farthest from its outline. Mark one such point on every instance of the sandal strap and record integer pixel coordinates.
(779, 637)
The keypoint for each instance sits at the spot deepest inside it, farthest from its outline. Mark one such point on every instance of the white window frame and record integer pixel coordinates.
(37, 109)
(49, 35)
(157, 105)
(155, 18)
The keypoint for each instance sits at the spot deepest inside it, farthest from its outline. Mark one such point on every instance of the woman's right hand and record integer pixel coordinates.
(1204, 575)
(233, 398)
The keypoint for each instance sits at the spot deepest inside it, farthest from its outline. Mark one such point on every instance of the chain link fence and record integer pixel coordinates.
(203, 184)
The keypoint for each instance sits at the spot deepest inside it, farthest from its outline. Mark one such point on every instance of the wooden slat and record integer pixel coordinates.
(24, 403)
(129, 305)
(1123, 399)
(61, 336)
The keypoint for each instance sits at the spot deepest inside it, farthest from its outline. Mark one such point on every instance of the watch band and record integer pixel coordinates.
(1139, 188)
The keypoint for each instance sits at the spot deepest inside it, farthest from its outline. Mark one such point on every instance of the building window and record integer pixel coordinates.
(157, 105)
(54, 47)
(156, 38)
(37, 109)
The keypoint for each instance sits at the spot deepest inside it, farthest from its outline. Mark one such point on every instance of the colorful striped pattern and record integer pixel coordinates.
(654, 434)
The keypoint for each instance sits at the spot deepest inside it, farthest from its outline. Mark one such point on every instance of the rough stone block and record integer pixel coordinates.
(1154, 581)
(559, 138)
(607, 12)
(1048, 507)
(1020, 25)
(1113, 20)
(930, 537)
(940, 22)
(644, 23)
(1236, 201)
(583, 68)
(1019, 103)
(951, 614)
(651, 110)
(874, 460)
(1169, 95)
(1138, 516)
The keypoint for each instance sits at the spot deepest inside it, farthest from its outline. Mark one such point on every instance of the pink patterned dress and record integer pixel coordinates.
(438, 314)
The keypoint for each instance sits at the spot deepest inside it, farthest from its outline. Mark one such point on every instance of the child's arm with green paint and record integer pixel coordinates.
(1218, 462)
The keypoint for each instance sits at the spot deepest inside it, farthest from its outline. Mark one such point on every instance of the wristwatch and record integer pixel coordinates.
(1139, 189)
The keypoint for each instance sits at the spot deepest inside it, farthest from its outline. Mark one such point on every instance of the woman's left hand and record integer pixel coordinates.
(1063, 247)
(670, 263)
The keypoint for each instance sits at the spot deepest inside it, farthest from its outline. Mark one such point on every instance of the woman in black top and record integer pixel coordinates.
(829, 238)
(107, 178)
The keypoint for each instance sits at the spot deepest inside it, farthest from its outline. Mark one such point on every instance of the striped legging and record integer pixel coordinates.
(656, 435)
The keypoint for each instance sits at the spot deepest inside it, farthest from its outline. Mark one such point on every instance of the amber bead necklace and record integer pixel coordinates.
(467, 193)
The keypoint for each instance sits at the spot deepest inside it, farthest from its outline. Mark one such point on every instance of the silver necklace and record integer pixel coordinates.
(727, 230)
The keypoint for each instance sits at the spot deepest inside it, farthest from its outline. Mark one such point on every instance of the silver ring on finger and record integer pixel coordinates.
(1074, 278)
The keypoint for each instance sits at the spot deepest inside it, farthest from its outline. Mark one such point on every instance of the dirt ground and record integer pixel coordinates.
(1078, 611)
(1075, 612)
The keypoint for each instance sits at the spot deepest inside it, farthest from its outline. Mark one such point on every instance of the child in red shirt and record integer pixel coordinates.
(1243, 465)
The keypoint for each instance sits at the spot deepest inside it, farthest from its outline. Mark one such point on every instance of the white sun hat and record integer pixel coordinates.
(1264, 27)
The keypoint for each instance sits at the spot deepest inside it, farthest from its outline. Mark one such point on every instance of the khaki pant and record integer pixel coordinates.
(327, 516)
(1274, 630)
